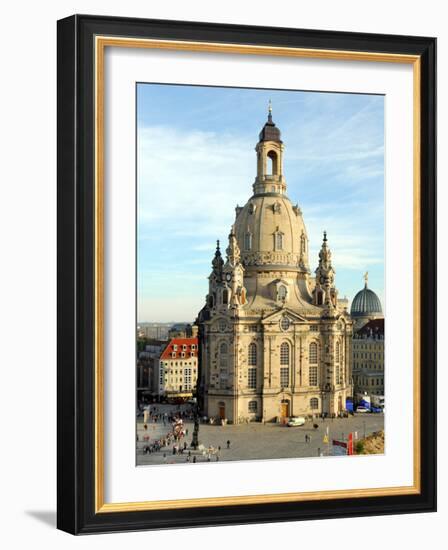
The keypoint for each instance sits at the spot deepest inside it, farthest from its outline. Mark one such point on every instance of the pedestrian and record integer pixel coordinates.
(217, 458)
(228, 444)
(219, 448)
(194, 459)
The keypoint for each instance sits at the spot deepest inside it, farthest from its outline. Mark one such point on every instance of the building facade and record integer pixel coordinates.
(274, 341)
(177, 371)
(368, 359)
(147, 364)
(368, 343)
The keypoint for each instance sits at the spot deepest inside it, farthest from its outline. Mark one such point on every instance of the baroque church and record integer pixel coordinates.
(274, 340)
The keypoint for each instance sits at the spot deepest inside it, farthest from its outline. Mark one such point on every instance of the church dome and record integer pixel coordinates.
(366, 303)
(270, 231)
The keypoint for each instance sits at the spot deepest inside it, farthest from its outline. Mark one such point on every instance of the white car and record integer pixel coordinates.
(362, 410)
(296, 421)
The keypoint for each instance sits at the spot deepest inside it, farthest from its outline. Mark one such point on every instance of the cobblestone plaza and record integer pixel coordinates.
(255, 440)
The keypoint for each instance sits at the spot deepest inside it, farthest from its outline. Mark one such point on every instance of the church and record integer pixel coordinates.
(274, 341)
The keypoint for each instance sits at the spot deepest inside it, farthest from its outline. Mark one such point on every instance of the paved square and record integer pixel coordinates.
(252, 441)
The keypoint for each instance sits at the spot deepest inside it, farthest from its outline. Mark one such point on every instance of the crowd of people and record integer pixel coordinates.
(174, 442)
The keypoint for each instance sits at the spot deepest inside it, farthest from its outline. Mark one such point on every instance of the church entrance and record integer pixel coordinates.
(222, 410)
(339, 404)
(284, 408)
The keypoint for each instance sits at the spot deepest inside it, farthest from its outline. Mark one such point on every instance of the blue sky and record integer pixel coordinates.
(196, 162)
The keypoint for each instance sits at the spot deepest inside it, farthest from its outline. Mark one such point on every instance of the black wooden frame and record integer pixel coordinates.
(75, 475)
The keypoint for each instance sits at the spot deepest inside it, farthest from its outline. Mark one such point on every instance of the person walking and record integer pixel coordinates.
(228, 443)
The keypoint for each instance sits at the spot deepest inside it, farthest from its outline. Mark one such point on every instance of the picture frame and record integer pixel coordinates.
(82, 41)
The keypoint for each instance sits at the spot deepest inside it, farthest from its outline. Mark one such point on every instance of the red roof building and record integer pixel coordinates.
(178, 368)
(180, 348)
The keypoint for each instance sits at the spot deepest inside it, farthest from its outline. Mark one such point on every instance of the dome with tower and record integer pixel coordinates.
(274, 340)
(366, 305)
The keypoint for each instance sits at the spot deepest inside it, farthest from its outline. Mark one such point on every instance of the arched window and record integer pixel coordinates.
(278, 241)
(223, 350)
(225, 297)
(338, 352)
(282, 293)
(272, 164)
(284, 354)
(248, 241)
(314, 403)
(313, 353)
(252, 355)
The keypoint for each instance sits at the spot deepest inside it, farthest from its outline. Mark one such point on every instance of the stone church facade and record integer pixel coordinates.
(274, 341)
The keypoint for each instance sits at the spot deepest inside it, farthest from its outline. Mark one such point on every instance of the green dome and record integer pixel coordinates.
(366, 303)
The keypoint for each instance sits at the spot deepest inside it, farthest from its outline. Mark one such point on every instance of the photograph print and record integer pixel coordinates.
(260, 274)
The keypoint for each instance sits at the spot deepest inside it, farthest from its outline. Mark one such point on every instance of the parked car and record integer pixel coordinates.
(362, 410)
(295, 421)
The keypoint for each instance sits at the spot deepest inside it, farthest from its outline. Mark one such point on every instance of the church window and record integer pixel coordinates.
(313, 376)
(284, 377)
(223, 350)
(314, 403)
(313, 353)
(338, 352)
(252, 354)
(248, 241)
(284, 354)
(278, 241)
(320, 298)
(225, 297)
(282, 293)
(252, 407)
(252, 378)
(222, 325)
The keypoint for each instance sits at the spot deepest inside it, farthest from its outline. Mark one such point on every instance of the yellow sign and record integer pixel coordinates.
(325, 438)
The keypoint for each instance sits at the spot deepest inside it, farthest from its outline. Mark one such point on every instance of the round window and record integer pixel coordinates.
(222, 325)
(285, 323)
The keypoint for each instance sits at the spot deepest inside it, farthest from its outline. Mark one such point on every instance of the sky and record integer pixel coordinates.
(196, 161)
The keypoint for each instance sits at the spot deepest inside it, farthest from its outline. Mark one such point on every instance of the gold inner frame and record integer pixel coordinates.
(101, 42)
